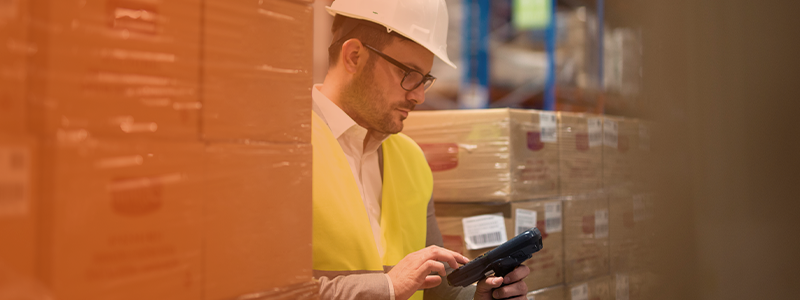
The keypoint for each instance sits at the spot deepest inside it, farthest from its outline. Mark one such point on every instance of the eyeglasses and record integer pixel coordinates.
(412, 78)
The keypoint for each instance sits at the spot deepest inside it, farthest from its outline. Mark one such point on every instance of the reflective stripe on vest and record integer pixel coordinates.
(342, 237)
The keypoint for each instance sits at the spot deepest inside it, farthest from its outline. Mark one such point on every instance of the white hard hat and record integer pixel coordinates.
(422, 21)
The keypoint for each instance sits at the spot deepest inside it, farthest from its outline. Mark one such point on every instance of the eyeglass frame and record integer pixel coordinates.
(406, 69)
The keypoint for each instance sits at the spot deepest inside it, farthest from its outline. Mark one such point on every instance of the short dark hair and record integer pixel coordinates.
(367, 32)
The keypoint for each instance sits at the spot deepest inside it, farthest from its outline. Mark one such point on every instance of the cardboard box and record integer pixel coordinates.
(13, 65)
(580, 152)
(18, 205)
(633, 285)
(450, 217)
(644, 172)
(594, 289)
(631, 230)
(620, 143)
(550, 293)
(547, 265)
(115, 68)
(257, 70)
(491, 155)
(258, 218)
(586, 234)
(122, 219)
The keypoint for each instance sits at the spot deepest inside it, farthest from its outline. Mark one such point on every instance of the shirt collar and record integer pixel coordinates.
(338, 121)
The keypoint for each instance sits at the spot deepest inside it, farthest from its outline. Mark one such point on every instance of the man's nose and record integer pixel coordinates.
(417, 95)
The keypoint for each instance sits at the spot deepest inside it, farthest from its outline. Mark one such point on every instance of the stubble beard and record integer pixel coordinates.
(363, 101)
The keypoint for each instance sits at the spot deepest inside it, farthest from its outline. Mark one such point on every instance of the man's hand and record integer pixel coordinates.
(515, 288)
(412, 273)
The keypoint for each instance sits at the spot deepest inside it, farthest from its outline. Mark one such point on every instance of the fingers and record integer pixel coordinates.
(516, 289)
(486, 285)
(432, 266)
(518, 274)
(452, 258)
(431, 281)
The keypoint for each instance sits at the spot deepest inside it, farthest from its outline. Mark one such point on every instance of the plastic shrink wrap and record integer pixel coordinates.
(491, 155)
(550, 293)
(595, 289)
(586, 233)
(152, 149)
(580, 152)
(547, 265)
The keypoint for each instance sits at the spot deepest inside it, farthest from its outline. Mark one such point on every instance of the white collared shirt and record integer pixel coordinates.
(363, 160)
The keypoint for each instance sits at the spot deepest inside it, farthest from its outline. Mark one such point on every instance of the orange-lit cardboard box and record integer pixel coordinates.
(594, 289)
(13, 67)
(547, 265)
(18, 205)
(633, 285)
(490, 155)
(257, 70)
(580, 152)
(258, 218)
(116, 68)
(123, 219)
(450, 218)
(550, 293)
(586, 234)
(630, 225)
(620, 144)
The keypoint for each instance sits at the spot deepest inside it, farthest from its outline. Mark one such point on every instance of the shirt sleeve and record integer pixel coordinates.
(444, 291)
(356, 286)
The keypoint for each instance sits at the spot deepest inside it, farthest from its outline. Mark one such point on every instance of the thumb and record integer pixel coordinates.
(485, 286)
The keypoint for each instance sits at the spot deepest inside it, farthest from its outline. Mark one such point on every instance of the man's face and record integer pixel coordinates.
(375, 99)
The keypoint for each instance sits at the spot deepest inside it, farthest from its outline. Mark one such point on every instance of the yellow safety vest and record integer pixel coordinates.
(342, 237)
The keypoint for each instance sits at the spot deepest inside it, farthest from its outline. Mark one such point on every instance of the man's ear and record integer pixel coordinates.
(353, 55)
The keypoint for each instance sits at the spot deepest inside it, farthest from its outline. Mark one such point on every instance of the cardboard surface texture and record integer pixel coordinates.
(449, 216)
(258, 218)
(493, 155)
(620, 147)
(550, 293)
(122, 219)
(586, 234)
(116, 68)
(580, 152)
(14, 48)
(18, 205)
(547, 265)
(598, 288)
(257, 70)
(631, 230)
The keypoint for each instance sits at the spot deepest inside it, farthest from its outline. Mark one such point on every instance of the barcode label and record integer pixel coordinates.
(548, 127)
(622, 287)
(601, 223)
(484, 231)
(644, 137)
(552, 217)
(610, 133)
(524, 219)
(595, 132)
(14, 180)
(580, 292)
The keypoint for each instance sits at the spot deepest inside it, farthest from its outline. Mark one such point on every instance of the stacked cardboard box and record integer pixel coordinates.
(486, 226)
(14, 20)
(594, 289)
(494, 155)
(580, 153)
(547, 265)
(550, 293)
(620, 144)
(630, 225)
(586, 233)
(633, 285)
(132, 204)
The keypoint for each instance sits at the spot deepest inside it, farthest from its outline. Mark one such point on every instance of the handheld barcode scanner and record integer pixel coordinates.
(500, 261)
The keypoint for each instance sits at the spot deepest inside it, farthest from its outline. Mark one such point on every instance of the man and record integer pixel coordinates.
(375, 235)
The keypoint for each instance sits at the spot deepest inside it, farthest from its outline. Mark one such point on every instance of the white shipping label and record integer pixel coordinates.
(548, 127)
(552, 217)
(644, 137)
(601, 223)
(580, 292)
(14, 180)
(524, 220)
(610, 133)
(484, 231)
(622, 287)
(595, 132)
